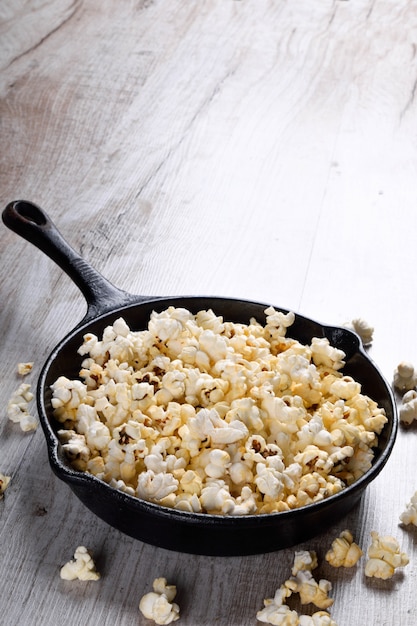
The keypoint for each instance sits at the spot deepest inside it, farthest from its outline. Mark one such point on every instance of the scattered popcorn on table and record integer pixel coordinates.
(18, 408)
(4, 483)
(275, 610)
(304, 560)
(216, 417)
(311, 591)
(409, 516)
(81, 567)
(158, 604)
(363, 329)
(303, 582)
(408, 407)
(24, 368)
(384, 557)
(344, 552)
(405, 376)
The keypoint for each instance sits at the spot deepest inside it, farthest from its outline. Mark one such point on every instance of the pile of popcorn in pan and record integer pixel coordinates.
(216, 417)
(222, 418)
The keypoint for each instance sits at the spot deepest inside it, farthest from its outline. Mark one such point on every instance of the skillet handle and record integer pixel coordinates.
(33, 224)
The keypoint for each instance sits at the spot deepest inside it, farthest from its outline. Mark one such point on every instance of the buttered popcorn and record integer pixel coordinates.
(158, 605)
(18, 408)
(384, 556)
(81, 567)
(344, 551)
(216, 417)
(409, 515)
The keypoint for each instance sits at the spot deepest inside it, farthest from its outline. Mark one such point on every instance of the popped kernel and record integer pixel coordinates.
(363, 329)
(23, 369)
(405, 376)
(18, 408)
(344, 551)
(81, 567)
(384, 557)
(409, 515)
(158, 605)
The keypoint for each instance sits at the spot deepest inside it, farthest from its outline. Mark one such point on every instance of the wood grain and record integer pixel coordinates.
(249, 148)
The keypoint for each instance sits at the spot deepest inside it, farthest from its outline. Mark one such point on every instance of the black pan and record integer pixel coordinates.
(152, 523)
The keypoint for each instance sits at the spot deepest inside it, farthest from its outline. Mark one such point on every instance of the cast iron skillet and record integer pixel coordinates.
(148, 522)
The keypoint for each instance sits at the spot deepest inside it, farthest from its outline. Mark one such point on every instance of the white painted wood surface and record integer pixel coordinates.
(251, 148)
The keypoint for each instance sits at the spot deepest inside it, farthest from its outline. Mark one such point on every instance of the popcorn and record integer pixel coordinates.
(275, 610)
(310, 590)
(344, 552)
(405, 376)
(23, 369)
(18, 408)
(279, 614)
(277, 323)
(409, 516)
(345, 388)
(304, 560)
(385, 557)
(217, 417)
(75, 448)
(325, 354)
(269, 481)
(408, 408)
(207, 424)
(363, 329)
(246, 503)
(158, 604)
(156, 487)
(314, 433)
(81, 567)
(303, 582)
(4, 483)
(219, 461)
(67, 397)
(240, 473)
(216, 498)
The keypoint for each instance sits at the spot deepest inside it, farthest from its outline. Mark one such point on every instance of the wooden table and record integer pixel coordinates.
(258, 149)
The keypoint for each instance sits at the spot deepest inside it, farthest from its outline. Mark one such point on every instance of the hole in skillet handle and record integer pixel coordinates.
(30, 212)
(20, 215)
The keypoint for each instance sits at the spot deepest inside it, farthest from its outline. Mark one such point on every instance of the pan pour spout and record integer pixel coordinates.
(33, 224)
